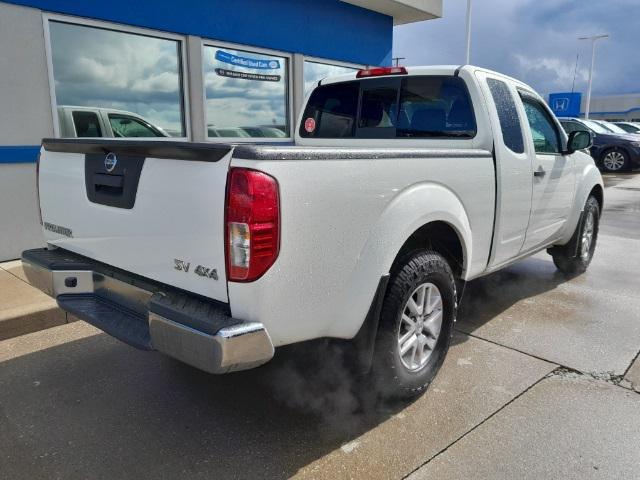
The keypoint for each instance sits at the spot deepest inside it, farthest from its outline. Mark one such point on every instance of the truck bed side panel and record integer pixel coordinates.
(337, 237)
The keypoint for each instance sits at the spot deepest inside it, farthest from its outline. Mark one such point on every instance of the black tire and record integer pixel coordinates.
(393, 378)
(572, 259)
(619, 154)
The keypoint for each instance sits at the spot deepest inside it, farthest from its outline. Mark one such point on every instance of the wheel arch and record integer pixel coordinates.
(422, 216)
(589, 182)
(439, 236)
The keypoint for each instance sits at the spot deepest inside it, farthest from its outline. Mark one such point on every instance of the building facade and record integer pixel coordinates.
(624, 107)
(615, 107)
(198, 70)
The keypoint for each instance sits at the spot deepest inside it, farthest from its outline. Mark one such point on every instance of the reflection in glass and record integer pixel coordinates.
(245, 94)
(314, 71)
(116, 73)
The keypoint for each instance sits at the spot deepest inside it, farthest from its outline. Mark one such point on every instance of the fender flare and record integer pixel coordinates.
(411, 209)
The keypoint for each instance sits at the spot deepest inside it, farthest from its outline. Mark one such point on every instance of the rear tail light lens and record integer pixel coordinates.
(252, 224)
(381, 71)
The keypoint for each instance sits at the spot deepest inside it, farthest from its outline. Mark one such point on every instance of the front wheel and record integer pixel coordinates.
(576, 256)
(416, 325)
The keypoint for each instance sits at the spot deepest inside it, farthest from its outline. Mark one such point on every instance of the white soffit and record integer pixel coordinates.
(403, 11)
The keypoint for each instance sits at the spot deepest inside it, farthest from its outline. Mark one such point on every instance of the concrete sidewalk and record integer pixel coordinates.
(23, 308)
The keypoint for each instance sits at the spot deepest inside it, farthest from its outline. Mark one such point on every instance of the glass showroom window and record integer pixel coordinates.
(314, 71)
(245, 94)
(116, 84)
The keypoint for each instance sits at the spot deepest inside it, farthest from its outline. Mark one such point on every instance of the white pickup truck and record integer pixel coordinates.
(402, 184)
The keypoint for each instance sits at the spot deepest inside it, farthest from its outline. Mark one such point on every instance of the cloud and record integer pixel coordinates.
(533, 40)
(313, 72)
(102, 68)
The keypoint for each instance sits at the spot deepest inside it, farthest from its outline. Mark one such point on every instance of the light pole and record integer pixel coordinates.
(593, 39)
(468, 32)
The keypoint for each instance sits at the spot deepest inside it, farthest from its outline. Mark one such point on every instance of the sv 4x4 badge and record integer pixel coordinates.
(205, 272)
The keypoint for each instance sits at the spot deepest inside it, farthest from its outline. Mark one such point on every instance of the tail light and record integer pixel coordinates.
(381, 71)
(38, 188)
(252, 224)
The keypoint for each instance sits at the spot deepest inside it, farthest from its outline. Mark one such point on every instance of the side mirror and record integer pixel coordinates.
(579, 140)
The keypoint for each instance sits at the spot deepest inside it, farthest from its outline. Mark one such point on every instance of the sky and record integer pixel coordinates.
(534, 41)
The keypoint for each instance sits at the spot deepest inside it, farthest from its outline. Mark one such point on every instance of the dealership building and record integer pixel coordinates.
(198, 70)
(624, 108)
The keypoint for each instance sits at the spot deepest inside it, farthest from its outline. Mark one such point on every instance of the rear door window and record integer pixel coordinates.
(86, 124)
(391, 107)
(507, 115)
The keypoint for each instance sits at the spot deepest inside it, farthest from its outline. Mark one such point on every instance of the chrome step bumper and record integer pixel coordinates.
(149, 315)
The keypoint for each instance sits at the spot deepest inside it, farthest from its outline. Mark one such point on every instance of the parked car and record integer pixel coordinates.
(227, 132)
(93, 122)
(613, 152)
(402, 185)
(629, 127)
(613, 128)
(264, 132)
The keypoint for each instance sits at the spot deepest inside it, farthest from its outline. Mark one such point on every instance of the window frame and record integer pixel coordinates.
(289, 90)
(118, 27)
(562, 139)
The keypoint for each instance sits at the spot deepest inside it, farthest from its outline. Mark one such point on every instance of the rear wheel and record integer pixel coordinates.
(615, 160)
(576, 256)
(416, 325)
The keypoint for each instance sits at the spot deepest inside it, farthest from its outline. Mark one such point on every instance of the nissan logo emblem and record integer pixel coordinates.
(110, 162)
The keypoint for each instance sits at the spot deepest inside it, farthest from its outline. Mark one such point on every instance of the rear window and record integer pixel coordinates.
(391, 107)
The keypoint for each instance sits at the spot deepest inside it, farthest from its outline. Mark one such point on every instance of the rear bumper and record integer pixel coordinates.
(149, 315)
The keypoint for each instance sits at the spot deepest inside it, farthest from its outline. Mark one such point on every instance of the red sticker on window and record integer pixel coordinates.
(309, 125)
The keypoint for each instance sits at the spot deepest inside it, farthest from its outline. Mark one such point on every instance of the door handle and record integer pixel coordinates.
(540, 172)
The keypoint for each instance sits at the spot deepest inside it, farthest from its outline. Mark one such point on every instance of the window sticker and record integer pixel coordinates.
(247, 76)
(255, 63)
(309, 125)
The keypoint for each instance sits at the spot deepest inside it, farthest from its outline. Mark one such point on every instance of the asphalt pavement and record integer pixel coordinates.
(540, 383)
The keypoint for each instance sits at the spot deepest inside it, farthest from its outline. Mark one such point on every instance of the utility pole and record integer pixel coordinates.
(575, 71)
(593, 39)
(468, 33)
(397, 60)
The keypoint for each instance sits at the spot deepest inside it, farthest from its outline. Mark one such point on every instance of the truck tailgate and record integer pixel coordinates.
(155, 209)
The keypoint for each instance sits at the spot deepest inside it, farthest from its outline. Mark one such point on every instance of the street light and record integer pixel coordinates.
(468, 32)
(593, 39)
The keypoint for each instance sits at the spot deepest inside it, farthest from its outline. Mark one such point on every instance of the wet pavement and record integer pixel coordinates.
(538, 384)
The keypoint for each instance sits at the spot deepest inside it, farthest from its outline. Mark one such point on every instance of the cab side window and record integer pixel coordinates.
(124, 126)
(546, 138)
(568, 126)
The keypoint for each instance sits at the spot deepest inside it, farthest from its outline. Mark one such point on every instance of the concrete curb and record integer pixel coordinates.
(23, 308)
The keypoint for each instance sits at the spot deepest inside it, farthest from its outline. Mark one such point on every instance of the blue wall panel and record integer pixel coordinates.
(323, 28)
(19, 154)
